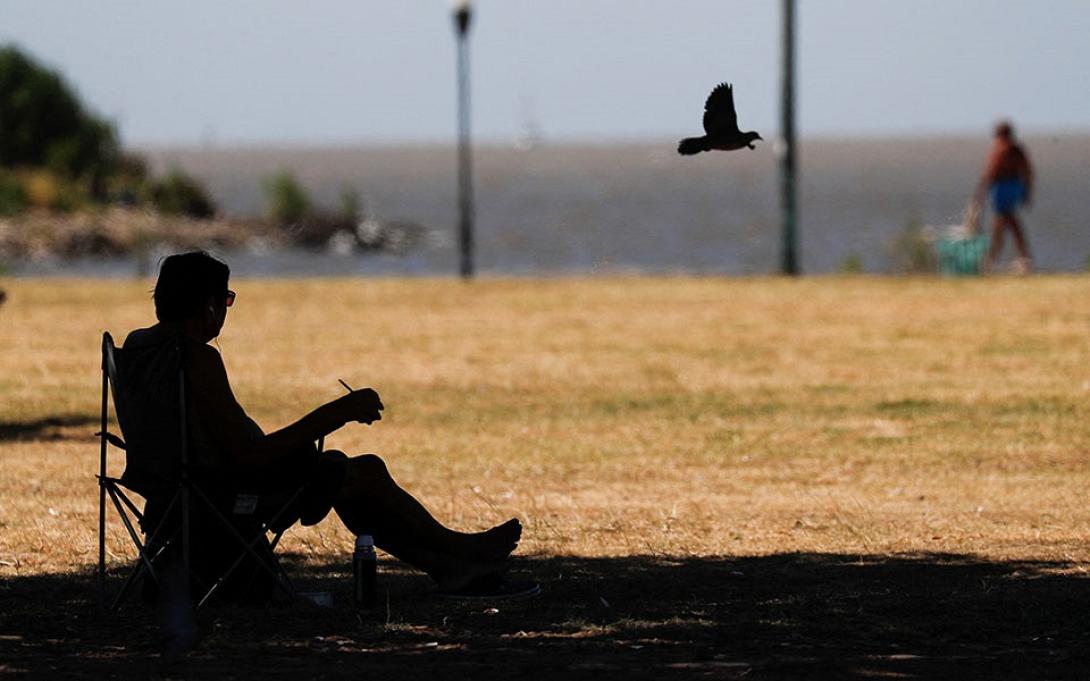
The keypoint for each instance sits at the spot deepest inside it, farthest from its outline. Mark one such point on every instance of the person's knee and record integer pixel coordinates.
(369, 465)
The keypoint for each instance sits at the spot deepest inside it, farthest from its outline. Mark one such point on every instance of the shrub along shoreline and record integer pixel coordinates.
(116, 231)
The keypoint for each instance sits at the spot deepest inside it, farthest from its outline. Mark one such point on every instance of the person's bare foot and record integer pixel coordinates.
(496, 543)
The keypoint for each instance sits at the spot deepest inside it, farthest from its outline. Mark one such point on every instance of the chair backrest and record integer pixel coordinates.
(147, 384)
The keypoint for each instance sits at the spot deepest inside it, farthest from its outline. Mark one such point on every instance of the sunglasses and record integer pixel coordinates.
(230, 300)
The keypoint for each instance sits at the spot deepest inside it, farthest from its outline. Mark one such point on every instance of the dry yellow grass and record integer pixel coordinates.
(666, 416)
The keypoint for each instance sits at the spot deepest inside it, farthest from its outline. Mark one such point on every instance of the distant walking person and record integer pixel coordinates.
(1008, 177)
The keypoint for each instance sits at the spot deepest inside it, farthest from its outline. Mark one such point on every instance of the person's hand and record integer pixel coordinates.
(363, 406)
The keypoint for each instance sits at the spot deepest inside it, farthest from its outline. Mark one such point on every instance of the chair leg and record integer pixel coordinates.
(281, 575)
(263, 553)
(248, 548)
(185, 528)
(128, 502)
(145, 559)
(276, 540)
(137, 570)
(106, 342)
(144, 565)
(132, 532)
(280, 568)
(101, 543)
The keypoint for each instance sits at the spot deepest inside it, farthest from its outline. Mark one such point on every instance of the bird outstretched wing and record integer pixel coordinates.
(720, 118)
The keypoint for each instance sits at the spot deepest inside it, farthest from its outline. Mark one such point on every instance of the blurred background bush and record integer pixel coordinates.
(57, 155)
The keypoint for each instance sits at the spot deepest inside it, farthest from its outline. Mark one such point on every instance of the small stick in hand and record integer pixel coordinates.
(350, 391)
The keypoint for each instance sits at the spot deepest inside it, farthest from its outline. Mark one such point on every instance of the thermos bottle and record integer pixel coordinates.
(364, 573)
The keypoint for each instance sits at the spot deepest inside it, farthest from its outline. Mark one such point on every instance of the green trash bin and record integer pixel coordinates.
(960, 256)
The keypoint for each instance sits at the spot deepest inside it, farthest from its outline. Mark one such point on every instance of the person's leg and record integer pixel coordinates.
(1025, 261)
(371, 502)
(996, 244)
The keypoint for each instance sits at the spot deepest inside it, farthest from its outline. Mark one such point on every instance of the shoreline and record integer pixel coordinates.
(111, 236)
(1030, 135)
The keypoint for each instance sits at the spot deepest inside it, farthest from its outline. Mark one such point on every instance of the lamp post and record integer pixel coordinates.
(463, 14)
(789, 256)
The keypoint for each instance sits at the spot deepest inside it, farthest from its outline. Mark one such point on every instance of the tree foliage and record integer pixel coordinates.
(55, 154)
(44, 125)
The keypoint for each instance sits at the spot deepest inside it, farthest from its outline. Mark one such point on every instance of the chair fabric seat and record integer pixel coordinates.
(147, 402)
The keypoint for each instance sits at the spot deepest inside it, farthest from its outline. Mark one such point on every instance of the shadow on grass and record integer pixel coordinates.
(780, 616)
(45, 429)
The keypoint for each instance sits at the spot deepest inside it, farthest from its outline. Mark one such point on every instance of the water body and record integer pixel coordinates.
(559, 209)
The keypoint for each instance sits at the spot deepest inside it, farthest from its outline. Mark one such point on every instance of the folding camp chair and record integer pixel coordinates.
(148, 387)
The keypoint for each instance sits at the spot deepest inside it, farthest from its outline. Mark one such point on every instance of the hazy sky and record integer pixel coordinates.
(328, 71)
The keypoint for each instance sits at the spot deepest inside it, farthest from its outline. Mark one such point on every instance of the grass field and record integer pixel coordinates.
(728, 477)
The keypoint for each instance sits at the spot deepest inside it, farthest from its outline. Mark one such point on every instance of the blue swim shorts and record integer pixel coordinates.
(1007, 195)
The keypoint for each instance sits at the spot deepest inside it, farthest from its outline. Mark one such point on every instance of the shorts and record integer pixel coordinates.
(318, 478)
(1007, 195)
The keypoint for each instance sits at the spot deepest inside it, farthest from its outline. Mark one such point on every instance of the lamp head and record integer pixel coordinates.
(463, 12)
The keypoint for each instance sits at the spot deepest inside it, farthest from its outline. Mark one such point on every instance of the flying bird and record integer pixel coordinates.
(721, 126)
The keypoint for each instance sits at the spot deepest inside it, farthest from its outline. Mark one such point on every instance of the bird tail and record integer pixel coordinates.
(692, 145)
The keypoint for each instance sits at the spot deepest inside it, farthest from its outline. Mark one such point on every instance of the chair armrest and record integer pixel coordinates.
(112, 439)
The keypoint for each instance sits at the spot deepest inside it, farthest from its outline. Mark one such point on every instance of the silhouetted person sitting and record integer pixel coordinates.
(1008, 177)
(229, 449)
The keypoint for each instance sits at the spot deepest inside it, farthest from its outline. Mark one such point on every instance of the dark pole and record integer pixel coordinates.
(462, 16)
(789, 262)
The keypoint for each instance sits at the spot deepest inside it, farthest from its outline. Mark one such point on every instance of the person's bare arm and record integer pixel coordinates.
(228, 423)
(362, 406)
(988, 176)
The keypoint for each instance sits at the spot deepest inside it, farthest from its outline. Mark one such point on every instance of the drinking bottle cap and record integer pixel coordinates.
(365, 541)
